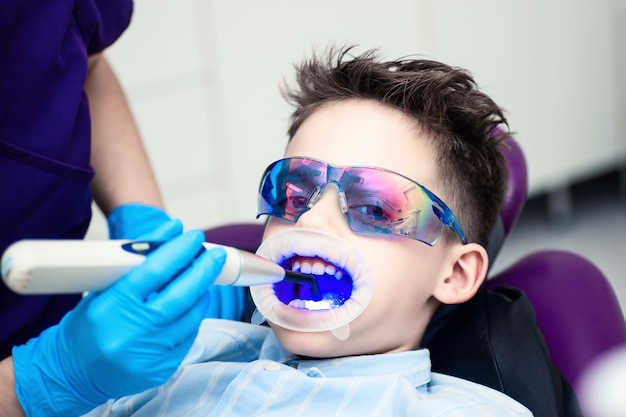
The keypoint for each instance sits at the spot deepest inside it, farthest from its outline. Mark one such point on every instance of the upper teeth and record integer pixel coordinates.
(317, 268)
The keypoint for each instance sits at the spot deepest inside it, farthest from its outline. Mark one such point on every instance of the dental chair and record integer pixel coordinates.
(531, 329)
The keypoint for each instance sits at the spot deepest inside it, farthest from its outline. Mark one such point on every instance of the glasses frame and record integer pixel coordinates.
(333, 176)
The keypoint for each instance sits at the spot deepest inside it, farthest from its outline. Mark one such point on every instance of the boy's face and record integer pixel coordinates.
(405, 272)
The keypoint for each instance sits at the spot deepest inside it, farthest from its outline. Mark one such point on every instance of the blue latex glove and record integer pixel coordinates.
(140, 221)
(227, 302)
(123, 340)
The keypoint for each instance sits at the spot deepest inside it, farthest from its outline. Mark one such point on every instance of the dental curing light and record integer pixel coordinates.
(76, 266)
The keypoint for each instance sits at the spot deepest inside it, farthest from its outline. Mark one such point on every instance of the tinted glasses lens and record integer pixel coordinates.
(380, 201)
(287, 185)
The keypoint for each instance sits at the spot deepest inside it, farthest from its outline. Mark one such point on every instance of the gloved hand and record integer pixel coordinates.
(140, 221)
(143, 222)
(123, 340)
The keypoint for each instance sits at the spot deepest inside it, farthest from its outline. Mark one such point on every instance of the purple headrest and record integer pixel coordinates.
(245, 236)
(577, 310)
(517, 191)
(517, 184)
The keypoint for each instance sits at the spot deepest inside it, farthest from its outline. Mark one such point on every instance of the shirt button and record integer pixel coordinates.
(271, 366)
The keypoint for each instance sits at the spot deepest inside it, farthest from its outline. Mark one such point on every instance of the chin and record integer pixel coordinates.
(310, 344)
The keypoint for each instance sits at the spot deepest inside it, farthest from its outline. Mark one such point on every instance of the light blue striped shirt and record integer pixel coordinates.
(238, 369)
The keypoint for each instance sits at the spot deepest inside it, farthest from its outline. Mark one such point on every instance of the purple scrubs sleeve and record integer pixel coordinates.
(45, 136)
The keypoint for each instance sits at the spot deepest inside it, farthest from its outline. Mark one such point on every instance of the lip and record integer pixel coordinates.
(339, 269)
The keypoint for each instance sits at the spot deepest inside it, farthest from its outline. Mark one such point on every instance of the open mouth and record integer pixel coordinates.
(336, 287)
(334, 284)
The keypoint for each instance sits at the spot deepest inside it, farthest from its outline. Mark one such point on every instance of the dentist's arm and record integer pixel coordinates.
(123, 340)
(123, 171)
(9, 405)
(124, 185)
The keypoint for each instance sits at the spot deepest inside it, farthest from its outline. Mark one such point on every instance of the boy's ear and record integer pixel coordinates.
(465, 272)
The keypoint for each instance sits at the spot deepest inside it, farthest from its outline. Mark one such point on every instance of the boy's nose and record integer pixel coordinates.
(327, 211)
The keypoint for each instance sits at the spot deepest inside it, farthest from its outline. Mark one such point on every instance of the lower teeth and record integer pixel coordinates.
(310, 304)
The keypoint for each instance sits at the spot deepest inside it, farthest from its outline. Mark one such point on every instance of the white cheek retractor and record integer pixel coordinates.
(340, 271)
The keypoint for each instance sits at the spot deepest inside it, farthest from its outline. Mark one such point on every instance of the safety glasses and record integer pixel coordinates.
(374, 200)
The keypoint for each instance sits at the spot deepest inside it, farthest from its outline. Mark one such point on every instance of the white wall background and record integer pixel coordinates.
(202, 79)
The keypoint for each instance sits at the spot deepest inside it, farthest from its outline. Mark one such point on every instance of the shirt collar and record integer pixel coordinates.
(413, 365)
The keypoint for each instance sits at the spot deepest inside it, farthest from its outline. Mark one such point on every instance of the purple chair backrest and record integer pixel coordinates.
(576, 307)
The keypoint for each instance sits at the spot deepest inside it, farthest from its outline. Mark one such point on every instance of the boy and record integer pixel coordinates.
(358, 201)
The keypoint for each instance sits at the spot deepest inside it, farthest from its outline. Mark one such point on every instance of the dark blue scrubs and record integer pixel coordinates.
(45, 136)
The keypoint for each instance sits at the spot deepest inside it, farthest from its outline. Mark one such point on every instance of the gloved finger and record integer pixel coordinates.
(165, 231)
(185, 326)
(215, 306)
(131, 220)
(169, 361)
(161, 266)
(182, 349)
(227, 302)
(192, 283)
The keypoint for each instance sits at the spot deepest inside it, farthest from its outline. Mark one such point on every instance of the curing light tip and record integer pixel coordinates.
(301, 278)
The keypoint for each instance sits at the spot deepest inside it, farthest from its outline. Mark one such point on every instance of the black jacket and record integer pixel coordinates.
(493, 339)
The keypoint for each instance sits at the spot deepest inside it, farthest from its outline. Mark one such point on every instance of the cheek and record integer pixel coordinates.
(404, 272)
(398, 257)
(275, 225)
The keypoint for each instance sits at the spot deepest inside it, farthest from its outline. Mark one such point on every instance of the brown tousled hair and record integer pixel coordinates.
(463, 123)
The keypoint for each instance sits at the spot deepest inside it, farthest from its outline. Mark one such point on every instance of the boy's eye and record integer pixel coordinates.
(295, 203)
(375, 212)
(295, 200)
(371, 213)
